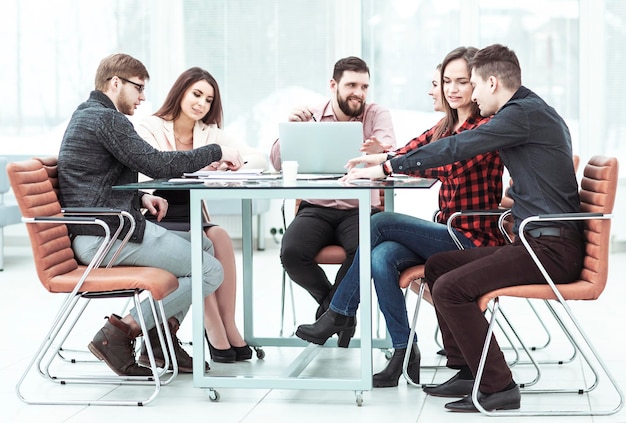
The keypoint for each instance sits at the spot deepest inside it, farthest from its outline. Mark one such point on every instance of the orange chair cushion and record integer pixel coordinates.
(331, 254)
(410, 275)
(158, 281)
(597, 195)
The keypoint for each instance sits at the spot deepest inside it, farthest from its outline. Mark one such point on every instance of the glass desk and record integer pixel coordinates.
(246, 191)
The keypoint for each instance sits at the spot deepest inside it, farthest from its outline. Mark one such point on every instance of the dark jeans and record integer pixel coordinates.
(315, 227)
(458, 278)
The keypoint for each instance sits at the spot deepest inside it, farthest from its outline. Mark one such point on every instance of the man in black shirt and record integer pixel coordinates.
(535, 146)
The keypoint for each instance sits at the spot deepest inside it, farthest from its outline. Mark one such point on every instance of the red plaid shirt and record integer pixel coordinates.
(470, 184)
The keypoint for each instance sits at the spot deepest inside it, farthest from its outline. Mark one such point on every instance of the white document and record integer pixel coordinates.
(226, 175)
(219, 174)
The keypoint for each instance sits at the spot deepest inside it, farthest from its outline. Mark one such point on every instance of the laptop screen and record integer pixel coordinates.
(320, 147)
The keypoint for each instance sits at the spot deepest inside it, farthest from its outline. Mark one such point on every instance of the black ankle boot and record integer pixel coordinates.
(322, 308)
(327, 325)
(392, 372)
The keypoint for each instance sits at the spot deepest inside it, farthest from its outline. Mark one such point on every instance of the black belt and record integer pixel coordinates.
(555, 231)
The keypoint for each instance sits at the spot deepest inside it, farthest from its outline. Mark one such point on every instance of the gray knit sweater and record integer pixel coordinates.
(101, 149)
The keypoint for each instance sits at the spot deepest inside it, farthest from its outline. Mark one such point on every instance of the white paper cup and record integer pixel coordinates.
(290, 171)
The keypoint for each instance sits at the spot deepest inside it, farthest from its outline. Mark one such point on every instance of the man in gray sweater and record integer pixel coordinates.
(101, 149)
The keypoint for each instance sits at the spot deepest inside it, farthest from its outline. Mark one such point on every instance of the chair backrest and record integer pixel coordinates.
(597, 195)
(598, 189)
(50, 164)
(36, 197)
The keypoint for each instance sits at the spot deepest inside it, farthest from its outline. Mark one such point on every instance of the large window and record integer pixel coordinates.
(268, 55)
(271, 55)
(608, 77)
(544, 35)
(403, 41)
(407, 39)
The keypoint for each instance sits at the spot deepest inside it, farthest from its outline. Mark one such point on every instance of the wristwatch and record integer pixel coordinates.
(387, 170)
(391, 154)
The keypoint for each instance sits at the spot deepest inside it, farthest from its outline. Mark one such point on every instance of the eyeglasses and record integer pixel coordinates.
(140, 87)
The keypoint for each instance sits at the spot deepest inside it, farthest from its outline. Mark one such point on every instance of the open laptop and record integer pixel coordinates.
(320, 148)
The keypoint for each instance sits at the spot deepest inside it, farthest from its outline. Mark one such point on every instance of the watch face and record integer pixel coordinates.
(386, 169)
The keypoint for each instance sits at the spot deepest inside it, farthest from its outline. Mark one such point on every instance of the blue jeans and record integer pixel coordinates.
(169, 250)
(398, 241)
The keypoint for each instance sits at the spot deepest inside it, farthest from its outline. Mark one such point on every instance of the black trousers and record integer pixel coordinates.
(313, 228)
(458, 278)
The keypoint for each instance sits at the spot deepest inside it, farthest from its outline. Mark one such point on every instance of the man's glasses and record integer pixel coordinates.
(140, 87)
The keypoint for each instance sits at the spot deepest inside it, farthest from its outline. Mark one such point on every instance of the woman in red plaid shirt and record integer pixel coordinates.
(400, 241)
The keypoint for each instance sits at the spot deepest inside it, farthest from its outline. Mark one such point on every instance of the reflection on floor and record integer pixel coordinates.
(28, 308)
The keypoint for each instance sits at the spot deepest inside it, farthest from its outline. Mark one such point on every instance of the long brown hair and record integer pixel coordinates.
(452, 116)
(171, 110)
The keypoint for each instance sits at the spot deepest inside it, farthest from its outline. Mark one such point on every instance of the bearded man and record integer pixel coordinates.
(319, 223)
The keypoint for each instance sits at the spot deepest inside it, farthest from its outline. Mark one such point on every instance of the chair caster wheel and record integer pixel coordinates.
(214, 396)
(260, 353)
(359, 399)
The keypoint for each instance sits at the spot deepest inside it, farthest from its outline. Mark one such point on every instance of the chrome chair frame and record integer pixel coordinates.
(420, 293)
(34, 184)
(597, 199)
(68, 315)
(584, 345)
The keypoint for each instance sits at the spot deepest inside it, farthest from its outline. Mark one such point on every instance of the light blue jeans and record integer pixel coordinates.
(398, 241)
(169, 250)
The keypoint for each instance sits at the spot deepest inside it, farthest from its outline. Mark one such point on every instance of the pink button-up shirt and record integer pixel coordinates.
(376, 124)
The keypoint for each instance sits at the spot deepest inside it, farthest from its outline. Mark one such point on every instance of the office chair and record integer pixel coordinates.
(330, 254)
(412, 279)
(506, 227)
(597, 196)
(34, 182)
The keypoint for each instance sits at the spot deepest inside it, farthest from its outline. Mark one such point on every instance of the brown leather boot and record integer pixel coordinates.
(115, 345)
(185, 362)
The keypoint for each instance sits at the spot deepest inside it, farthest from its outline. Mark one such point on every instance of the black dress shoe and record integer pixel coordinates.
(220, 356)
(392, 372)
(442, 352)
(503, 400)
(327, 325)
(242, 353)
(227, 355)
(454, 387)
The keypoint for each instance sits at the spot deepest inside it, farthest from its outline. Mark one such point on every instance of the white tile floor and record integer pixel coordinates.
(27, 309)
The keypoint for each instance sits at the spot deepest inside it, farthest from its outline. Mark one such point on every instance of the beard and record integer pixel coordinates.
(347, 109)
(124, 105)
